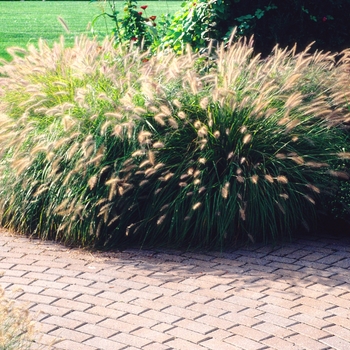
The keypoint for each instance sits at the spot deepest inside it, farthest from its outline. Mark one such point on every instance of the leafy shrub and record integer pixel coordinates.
(134, 26)
(271, 22)
(101, 146)
(302, 22)
(196, 24)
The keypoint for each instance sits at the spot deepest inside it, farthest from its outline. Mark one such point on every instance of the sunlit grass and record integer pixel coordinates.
(24, 22)
(16, 325)
(103, 146)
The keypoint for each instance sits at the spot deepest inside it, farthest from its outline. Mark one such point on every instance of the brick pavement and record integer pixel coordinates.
(296, 296)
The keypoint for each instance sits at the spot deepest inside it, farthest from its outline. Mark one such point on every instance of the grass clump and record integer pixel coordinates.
(101, 146)
(16, 326)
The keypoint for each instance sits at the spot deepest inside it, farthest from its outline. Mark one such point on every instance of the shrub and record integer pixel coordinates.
(271, 22)
(302, 22)
(103, 146)
(196, 24)
(134, 26)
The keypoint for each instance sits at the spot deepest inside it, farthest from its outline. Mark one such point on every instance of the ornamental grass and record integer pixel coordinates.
(105, 147)
(16, 326)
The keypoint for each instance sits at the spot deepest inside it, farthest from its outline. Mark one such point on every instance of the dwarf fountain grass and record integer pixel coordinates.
(16, 326)
(102, 148)
(18, 329)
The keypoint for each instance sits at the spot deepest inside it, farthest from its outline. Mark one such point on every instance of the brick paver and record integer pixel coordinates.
(293, 296)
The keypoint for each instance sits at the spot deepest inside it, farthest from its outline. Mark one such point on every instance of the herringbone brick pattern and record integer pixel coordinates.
(296, 296)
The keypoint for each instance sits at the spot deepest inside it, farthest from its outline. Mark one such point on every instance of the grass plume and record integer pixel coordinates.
(101, 148)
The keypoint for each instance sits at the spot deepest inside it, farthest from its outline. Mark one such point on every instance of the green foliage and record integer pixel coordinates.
(336, 204)
(24, 22)
(134, 26)
(101, 146)
(130, 27)
(196, 24)
(246, 23)
(271, 22)
(300, 21)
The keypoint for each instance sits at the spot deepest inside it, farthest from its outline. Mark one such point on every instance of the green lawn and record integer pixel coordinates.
(24, 22)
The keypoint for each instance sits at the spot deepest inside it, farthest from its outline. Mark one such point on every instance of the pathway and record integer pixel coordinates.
(291, 297)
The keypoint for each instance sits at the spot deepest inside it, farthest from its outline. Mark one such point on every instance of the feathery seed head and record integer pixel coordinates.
(104, 170)
(240, 178)
(204, 102)
(313, 188)
(112, 181)
(310, 199)
(158, 190)
(254, 179)
(115, 115)
(190, 171)
(177, 103)
(161, 220)
(104, 127)
(269, 178)
(182, 115)
(118, 130)
(165, 206)
(243, 129)
(138, 153)
(225, 190)
(243, 160)
(144, 136)
(202, 132)
(247, 138)
(144, 163)
(282, 179)
(158, 144)
(173, 123)
(159, 119)
(230, 155)
(316, 165)
(339, 174)
(64, 24)
(159, 166)
(216, 134)
(298, 160)
(344, 155)
(242, 214)
(154, 109)
(165, 109)
(92, 182)
(151, 157)
(149, 172)
(197, 124)
(42, 188)
(50, 156)
(196, 206)
(281, 156)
